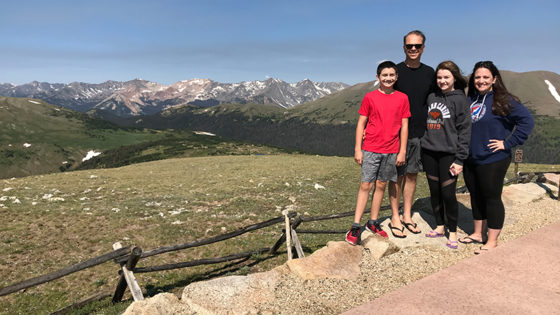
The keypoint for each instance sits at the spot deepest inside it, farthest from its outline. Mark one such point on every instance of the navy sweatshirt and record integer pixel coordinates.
(448, 124)
(486, 125)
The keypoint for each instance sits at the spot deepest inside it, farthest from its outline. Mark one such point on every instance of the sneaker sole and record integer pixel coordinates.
(353, 244)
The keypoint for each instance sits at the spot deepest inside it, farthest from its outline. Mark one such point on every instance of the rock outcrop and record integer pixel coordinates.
(337, 260)
(378, 247)
(552, 178)
(232, 294)
(161, 304)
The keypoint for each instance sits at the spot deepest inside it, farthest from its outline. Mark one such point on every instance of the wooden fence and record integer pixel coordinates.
(128, 257)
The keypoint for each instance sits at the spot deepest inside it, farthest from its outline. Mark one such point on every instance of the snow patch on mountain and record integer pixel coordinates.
(204, 133)
(90, 155)
(552, 90)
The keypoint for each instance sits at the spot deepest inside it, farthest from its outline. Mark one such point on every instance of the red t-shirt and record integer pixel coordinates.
(385, 113)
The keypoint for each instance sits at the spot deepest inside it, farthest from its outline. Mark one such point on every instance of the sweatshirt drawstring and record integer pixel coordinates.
(476, 101)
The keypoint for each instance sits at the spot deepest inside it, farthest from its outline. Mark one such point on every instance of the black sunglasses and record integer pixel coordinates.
(417, 46)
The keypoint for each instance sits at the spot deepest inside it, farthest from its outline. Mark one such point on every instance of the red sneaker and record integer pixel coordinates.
(375, 228)
(352, 235)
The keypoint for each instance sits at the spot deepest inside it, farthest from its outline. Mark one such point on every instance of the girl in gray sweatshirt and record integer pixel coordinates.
(445, 146)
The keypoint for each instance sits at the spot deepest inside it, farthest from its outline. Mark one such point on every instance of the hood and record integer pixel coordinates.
(438, 96)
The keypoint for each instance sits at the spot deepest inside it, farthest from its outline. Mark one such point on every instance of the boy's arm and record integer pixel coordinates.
(401, 156)
(358, 154)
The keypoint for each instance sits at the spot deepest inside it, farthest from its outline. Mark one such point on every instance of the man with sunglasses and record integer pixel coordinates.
(416, 80)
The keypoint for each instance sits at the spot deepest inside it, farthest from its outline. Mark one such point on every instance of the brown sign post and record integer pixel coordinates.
(518, 155)
(517, 159)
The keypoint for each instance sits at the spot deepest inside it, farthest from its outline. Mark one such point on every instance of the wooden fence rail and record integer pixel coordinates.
(211, 240)
(199, 262)
(63, 272)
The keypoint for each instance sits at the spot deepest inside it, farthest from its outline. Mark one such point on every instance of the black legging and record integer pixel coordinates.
(485, 183)
(442, 187)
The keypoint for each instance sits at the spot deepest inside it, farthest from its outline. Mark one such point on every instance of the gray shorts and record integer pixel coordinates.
(379, 166)
(413, 157)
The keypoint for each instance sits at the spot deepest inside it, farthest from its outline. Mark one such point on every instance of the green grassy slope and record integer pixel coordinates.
(275, 127)
(59, 138)
(56, 220)
(179, 144)
(61, 219)
(39, 138)
(338, 108)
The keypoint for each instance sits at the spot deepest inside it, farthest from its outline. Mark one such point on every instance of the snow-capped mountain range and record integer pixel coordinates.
(141, 97)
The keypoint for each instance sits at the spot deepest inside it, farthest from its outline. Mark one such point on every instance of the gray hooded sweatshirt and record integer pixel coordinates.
(448, 124)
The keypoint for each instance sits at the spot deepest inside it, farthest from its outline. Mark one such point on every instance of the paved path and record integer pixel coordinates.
(521, 276)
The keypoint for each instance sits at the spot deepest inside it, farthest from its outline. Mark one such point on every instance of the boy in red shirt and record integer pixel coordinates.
(386, 112)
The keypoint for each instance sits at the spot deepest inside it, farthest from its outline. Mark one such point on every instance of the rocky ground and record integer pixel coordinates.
(528, 207)
(330, 296)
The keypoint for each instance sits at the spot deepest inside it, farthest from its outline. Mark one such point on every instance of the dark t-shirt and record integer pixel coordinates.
(416, 83)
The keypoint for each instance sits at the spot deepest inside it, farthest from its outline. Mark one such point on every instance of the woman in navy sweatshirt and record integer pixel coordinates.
(445, 145)
(499, 123)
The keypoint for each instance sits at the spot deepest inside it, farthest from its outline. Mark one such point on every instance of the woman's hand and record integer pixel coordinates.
(496, 145)
(455, 169)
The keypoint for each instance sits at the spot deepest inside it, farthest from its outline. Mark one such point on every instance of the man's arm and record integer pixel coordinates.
(401, 156)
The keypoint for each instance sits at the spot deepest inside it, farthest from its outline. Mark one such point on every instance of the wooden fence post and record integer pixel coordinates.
(517, 159)
(127, 276)
(280, 241)
(288, 234)
(297, 244)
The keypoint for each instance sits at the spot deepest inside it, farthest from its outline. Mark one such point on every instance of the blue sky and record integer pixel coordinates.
(232, 41)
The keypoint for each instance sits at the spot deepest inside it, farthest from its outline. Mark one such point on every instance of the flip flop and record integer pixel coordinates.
(434, 234)
(469, 240)
(400, 230)
(452, 244)
(481, 251)
(413, 225)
